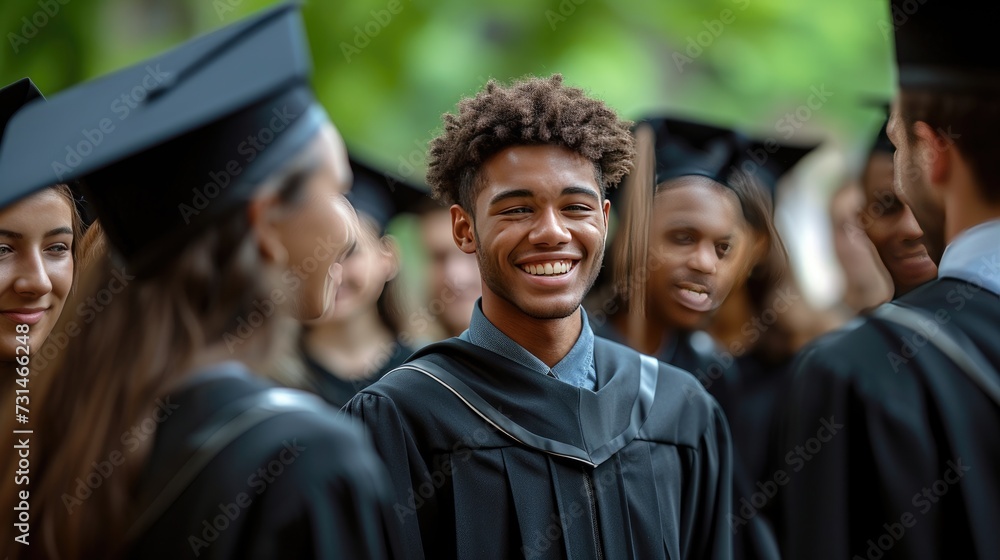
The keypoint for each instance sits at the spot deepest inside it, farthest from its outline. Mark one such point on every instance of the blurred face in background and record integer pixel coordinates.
(854, 251)
(373, 262)
(892, 229)
(699, 244)
(36, 268)
(453, 275)
(913, 189)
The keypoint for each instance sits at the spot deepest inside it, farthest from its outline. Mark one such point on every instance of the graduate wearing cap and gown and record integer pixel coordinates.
(895, 423)
(694, 252)
(702, 214)
(210, 191)
(527, 436)
(39, 234)
(362, 339)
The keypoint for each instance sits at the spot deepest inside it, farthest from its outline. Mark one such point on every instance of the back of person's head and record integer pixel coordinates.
(195, 273)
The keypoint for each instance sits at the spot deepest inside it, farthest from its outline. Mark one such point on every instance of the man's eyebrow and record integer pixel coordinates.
(525, 193)
(581, 190)
(513, 193)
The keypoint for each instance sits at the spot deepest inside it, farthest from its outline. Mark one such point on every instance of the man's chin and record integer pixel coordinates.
(549, 312)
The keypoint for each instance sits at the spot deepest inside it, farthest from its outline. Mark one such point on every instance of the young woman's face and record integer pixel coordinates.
(319, 231)
(36, 268)
(366, 271)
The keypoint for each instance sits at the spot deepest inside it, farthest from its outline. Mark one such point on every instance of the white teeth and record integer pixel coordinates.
(547, 269)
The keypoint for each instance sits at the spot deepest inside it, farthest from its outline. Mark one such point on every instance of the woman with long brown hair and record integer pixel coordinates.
(38, 234)
(222, 197)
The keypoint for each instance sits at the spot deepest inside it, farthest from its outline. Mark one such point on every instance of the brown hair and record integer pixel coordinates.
(966, 119)
(127, 355)
(532, 111)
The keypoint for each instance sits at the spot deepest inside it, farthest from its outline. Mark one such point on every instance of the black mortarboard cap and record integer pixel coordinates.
(684, 147)
(382, 196)
(12, 99)
(944, 46)
(173, 143)
(882, 143)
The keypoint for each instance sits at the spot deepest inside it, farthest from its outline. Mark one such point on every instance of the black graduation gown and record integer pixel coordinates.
(338, 391)
(891, 459)
(303, 484)
(721, 374)
(716, 370)
(492, 460)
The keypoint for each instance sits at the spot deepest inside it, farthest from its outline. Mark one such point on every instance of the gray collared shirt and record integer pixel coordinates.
(576, 367)
(974, 256)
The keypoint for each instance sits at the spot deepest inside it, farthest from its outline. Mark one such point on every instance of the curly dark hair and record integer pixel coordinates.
(531, 111)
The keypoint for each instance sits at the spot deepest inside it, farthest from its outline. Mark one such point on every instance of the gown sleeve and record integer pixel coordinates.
(330, 499)
(383, 422)
(711, 536)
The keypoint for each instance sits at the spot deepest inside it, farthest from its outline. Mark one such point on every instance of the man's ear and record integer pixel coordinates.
(936, 153)
(462, 229)
(263, 213)
(606, 206)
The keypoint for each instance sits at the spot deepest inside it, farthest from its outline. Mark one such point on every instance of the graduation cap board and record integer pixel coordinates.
(173, 143)
(669, 148)
(382, 196)
(683, 147)
(944, 46)
(12, 99)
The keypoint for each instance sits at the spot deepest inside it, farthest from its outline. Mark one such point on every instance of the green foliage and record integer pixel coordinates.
(387, 77)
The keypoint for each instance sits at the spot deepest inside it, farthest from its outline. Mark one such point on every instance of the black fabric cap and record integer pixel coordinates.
(382, 196)
(169, 145)
(690, 148)
(12, 99)
(882, 143)
(944, 46)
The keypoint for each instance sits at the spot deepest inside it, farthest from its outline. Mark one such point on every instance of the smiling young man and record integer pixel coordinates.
(914, 393)
(527, 436)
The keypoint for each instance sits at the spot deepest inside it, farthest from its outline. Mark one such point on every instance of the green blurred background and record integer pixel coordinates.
(387, 69)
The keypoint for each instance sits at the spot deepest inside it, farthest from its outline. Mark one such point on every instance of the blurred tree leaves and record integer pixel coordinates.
(387, 77)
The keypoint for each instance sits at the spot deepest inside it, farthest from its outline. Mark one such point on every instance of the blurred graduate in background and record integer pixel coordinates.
(693, 225)
(361, 338)
(156, 401)
(866, 281)
(452, 282)
(889, 222)
(911, 397)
